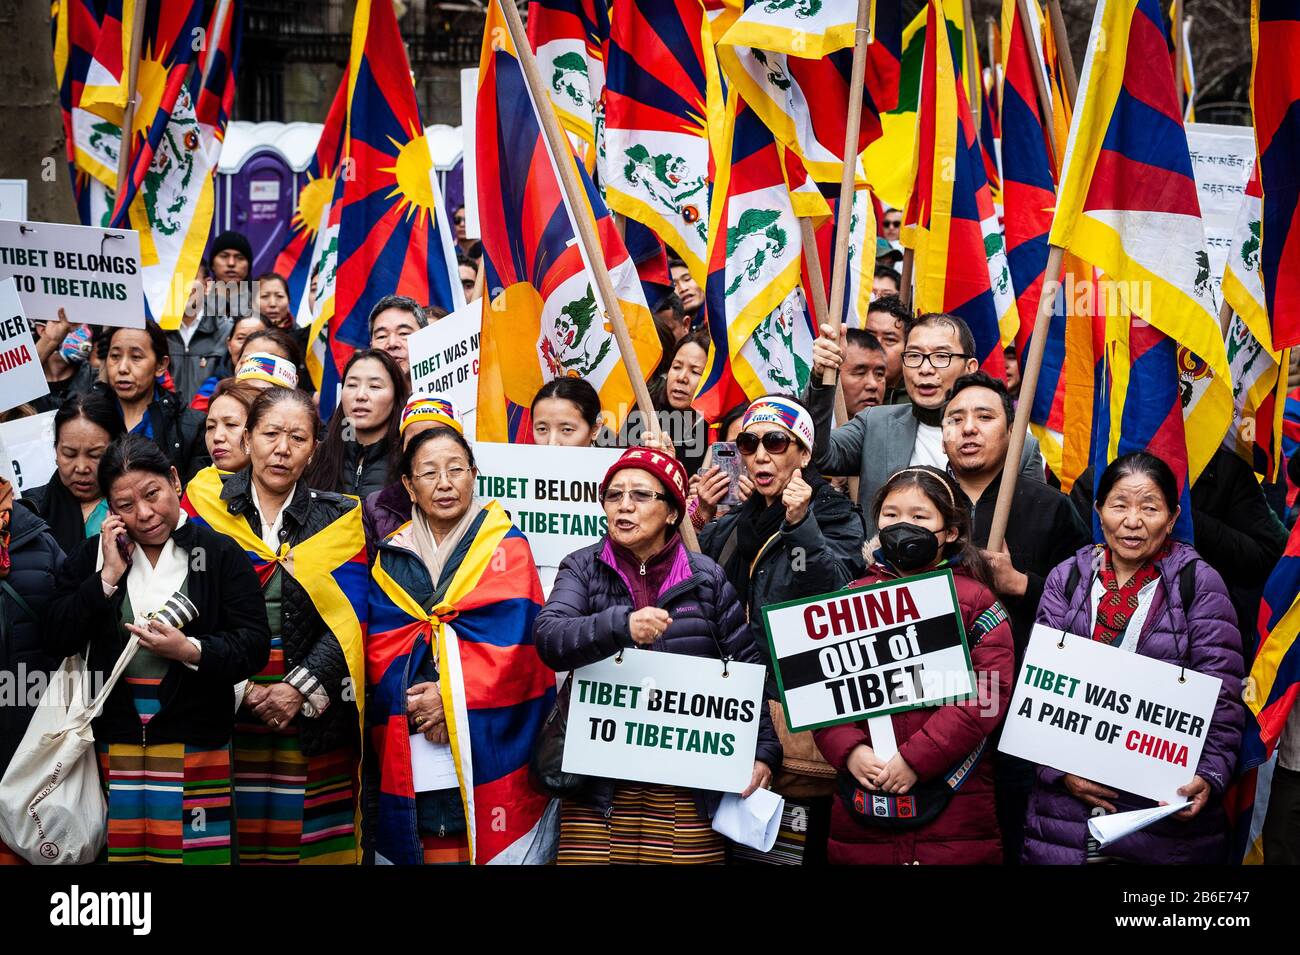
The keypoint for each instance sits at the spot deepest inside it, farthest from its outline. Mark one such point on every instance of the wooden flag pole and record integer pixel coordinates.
(816, 278)
(1179, 53)
(574, 195)
(905, 277)
(848, 176)
(1040, 81)
(128, 114)
(995, 55)
(1028, 383)
(1225, 315)
(974, 82)
(1062, 37)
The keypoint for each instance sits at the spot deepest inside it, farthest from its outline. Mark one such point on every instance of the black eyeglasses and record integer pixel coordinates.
(639, 495)
(775, 442)
(939, 359)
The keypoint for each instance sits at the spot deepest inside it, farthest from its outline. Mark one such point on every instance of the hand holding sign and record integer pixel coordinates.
(896, 777)
(864, 765)
(1088, 792)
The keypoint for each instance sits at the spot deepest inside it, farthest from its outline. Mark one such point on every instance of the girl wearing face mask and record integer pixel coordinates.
(795, 536)
(933, 814)
(297, 732)
(164, 735)
(354, 457)
(72, 503)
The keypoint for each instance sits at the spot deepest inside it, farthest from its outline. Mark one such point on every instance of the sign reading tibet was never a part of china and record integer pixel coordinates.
(862, 653)
(665, 718)
(92, 274)
(21, 376)
(1117, 718)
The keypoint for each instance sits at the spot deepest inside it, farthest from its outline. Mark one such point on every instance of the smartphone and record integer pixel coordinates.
(726, 457)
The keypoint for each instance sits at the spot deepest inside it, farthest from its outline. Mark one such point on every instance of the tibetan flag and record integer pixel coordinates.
(496, 692)
(960, 265)
(172, 208)
(569, 37)
(166, 57)
(543, 316)
(1127, 204)
(296, 260)
(661, 65)
(1028, 199)
(1258, 372)
(394, 236)
(861, 264)
(805, 101)
(891, 159)
(104, 92)
(758, 321)
(75, 27)
(1083, 376)
(1275, 105)
(806, 28)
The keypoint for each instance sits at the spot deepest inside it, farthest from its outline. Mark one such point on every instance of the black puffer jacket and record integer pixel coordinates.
(37, 560)
(177, 429)
(585, 621)
(54, 504)
(365, 468)
(307, 641)
(197, 705)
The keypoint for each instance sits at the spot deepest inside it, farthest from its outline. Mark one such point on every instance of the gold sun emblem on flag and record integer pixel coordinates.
(312, 200)
(412, 170)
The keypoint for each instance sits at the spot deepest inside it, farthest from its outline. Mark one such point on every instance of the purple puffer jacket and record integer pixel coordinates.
(1205, 638)
(383, 512)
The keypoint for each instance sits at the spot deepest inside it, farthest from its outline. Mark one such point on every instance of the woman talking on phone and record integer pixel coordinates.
(164, 733)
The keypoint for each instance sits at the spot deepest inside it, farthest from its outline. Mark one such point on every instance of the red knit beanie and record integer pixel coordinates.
(669, 471)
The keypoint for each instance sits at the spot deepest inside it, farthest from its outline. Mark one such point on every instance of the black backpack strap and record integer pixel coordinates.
(1072, 581)
(1187, 585)
(16, 597)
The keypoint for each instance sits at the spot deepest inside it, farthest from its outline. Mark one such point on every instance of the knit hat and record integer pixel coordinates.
(669, 471)
(263, 366)
(231, 240)
(784, 412)
(431, 408)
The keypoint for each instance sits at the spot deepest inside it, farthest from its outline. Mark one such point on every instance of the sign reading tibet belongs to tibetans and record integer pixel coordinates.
(93, 274)
(1117, 718)
(862, 653)
(665, 718)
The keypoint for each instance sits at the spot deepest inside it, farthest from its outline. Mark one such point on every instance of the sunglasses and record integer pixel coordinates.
(776, 442)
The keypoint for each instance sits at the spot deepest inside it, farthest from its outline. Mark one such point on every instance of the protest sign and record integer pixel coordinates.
(552, 493)
(869, 652)
(444, 360)
(1222, 157)
(1114, 717)
(21, 375)
(27, 451)
(665, 718)
(92, 274)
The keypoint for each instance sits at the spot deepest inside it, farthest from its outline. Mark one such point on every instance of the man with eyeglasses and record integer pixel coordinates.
(393, 320)
(937, 350)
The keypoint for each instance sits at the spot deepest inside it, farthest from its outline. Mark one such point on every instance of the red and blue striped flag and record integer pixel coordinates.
(569, 39)
(1275, 106)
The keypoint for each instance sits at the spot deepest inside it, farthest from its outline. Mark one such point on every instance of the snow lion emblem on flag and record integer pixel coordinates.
(568, 351)
(752, 241)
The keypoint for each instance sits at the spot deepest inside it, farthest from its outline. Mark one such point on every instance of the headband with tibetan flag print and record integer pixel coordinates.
(425, 408)
(263, 366)
(784, 412)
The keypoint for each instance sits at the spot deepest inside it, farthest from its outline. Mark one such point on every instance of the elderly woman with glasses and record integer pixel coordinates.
(640, 587)
(795, 536)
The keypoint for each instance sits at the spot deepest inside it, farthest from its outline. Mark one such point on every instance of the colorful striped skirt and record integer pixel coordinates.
(648, 825)
(446, 850)
(167, 803)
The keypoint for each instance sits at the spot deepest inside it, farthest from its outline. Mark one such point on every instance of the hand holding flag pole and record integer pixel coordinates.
(852, 126)
(574, 195)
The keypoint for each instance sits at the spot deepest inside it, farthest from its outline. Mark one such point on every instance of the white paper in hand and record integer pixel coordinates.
(432, 765)
(1116, 825)
(752, 822)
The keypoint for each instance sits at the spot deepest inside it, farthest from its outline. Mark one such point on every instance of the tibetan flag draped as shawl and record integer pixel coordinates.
(496, 692)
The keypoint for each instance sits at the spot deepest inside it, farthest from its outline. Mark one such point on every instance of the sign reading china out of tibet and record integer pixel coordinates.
(444, 359)
(551, 493)
(665, 718)
(92, 274)
(862, 653)
(1116, 718)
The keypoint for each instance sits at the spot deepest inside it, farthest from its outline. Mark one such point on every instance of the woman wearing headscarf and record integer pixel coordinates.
(1144, 592)
(297, 732)
(456, 691)
(165, 731)
(640, 587)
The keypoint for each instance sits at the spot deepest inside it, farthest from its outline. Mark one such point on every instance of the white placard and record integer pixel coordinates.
(665, 718)
(869, 652)
(444, 358)
(13, 199)
(552, 493)
(1117, 718)
(27, 451)
(93, 274)
(469, 166)
(21, 375)
(1222, 157)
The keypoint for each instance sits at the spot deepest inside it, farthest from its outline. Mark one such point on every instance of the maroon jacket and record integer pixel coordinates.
(933, 741)
(383, 512)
